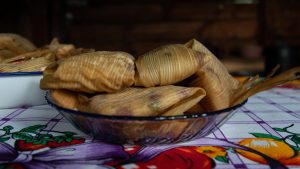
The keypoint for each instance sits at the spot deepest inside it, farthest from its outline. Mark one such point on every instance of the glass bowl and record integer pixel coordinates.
(153, 130)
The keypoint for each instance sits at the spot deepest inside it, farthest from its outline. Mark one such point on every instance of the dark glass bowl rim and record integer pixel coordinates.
(141, 118)
(19, 73)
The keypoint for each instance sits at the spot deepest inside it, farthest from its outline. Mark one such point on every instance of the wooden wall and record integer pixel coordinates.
(137, 26)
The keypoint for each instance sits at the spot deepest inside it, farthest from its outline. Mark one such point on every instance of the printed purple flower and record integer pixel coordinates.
(92, 154)
(96, 154)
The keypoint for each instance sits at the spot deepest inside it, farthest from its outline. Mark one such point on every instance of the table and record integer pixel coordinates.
(39, 137)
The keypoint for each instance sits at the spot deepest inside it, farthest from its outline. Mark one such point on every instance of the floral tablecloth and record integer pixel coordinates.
(269, 125)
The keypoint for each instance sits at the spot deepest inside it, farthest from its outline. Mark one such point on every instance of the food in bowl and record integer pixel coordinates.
(146, 130)
(12, 45)
(18, 54)
(21, 66)
(183, 85)
(109, 73)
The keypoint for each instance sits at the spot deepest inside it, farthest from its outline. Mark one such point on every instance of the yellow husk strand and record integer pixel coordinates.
(166, 65)
(93, 72)
(252, 87)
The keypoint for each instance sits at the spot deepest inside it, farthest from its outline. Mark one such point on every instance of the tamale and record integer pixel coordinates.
(214, 78)
(94, 72)
(166, 65)
(133, 101)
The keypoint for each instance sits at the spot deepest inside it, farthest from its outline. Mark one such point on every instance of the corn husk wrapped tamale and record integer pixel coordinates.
(39, 59)
(214, 78)
(163, 100)
(93, 72)
(13, 44)
(4, 54)
(32, 65)
(200, 82)
(66, 98)
(166, 65)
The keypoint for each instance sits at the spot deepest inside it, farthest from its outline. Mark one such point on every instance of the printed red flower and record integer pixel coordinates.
(177, 158)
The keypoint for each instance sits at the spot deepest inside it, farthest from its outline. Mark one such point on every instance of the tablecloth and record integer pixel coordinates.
(39, 137)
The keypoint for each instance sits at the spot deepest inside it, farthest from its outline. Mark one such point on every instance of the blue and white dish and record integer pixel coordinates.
(19, 89)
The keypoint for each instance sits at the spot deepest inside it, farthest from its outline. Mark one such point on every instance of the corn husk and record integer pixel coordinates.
(162, 100)
(36, 60)
(214, 78)
(13, 44)
(27, 56)
(94, 72)
(254, 85)
(66, 98)
(62, 51)
(166, 65)
(4, 54)
(33, 65)
(33, 61)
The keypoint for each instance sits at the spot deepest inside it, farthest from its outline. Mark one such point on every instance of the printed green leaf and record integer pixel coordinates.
(69, 133)
(279, 129)
(223, 159)
(3, 139)
(263, 135)
(69, 139)
(59, 139)
(296, 139)
(36, 142)
(76, 138)
(47, 139)
(43, 136)
(7, 128)
(33, 129)
(296, 148)
(285, 128)
(22, 136)
(43, 142)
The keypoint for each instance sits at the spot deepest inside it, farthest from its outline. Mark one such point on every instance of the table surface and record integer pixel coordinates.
(39, 137)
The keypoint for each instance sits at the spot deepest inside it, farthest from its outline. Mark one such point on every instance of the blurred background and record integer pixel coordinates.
(249, 36)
